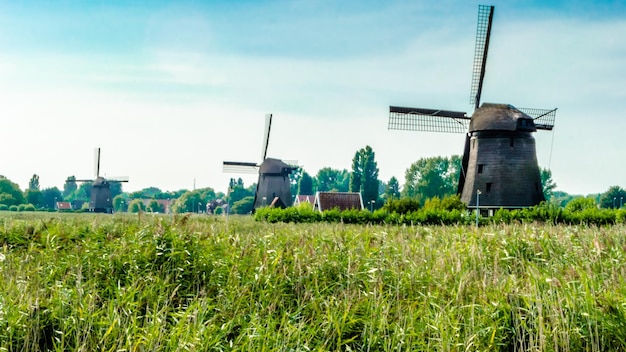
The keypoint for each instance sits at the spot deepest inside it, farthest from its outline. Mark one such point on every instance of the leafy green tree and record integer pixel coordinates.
(392, 191)
(238, 191)
(50, 196)
(547, 183)
(136, 205)
(305, 186)
(243, 206)
(120, 203)
(294, 180)
(332, 180)
(10, 193)
(432, 177)
(33, 184)
(194, 201)
(614, 197)
(581, 203)
(156, 207)
(70, 186)
(364, 177)
(34, 197)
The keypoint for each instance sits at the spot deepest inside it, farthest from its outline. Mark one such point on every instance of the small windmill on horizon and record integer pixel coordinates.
(499, 159)
(273, 186)
(100, 200)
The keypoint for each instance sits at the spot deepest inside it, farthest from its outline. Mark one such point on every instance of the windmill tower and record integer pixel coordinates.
(273, 174)
(100, 200)
(499, 158)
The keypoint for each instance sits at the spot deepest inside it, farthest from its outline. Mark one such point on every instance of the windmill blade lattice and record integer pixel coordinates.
(240, 167)
(544, 118)
(483, 32)
(266, 136)
(427, 120)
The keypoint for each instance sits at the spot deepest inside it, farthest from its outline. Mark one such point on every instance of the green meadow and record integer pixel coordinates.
(85, 282)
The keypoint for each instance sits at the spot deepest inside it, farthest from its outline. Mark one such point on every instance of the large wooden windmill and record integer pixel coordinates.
(273, 186)
(100, 200)
(499, 159)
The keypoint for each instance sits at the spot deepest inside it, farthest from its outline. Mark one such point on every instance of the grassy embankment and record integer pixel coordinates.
(87, 282)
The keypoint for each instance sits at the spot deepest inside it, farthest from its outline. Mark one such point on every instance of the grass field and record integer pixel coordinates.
(84, 282)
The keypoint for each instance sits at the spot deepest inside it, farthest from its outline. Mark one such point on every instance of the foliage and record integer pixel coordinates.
(364, 176)
(33, 184)
(332, 180)
(10, 193)
(194, 201)
(294, 179)
(136, 205)
(392, 190)
(432, 177)
(69, 187)
(237, 190)
(580, 204)
(243, 206)
(155, 207)
(50, 196)
(34, 196)
(402, 205)
(120, 203)
(547, 183)
(614, 197)
(305, 185)
(452, 202)
(4, 207)
(202, 283)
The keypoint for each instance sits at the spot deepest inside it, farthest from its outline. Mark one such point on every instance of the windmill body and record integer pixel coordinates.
(499, 160)
(273, 186)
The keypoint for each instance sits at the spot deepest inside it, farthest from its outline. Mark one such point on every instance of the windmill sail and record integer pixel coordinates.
(266, 135)
(544, 118)
(240, 167)
(483, 32)
(427, 120)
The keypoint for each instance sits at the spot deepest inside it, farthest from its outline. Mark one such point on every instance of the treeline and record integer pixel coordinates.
(448, 211)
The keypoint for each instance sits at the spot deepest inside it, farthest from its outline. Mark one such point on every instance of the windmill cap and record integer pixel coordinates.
(500, 117)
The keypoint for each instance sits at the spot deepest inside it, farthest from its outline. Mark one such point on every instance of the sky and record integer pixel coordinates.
(170, 89)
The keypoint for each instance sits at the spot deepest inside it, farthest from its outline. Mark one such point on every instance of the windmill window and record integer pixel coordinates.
(480, 168)
(512, 142)
(488, 188)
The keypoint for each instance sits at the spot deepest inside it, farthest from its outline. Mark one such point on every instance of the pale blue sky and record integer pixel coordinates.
(170, 89)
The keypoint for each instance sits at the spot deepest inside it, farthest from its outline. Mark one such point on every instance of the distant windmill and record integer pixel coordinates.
(100, 199)
(499, 159)
(273, 174)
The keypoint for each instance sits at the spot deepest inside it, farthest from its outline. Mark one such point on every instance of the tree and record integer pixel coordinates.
(332, 180)
(194, 201)
(364, 177)
(50, 196)
(294, 179)
(305, 186)
(432, 177)
(136, 205)
(10, 193)
(120, 203)
(547, 183)
(34, 197)
(243, 206)
(238, 191)
(156, 207)
(614, 197)
(70, 186)
(33, 184)
(115, 188)
(392, 191)
(580, 204)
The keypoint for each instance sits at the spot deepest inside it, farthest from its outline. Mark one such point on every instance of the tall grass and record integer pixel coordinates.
(85, 282)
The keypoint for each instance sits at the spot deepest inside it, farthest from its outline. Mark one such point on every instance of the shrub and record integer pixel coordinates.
(13, 208)
(218, 211)
(402, 205)
(4, 207)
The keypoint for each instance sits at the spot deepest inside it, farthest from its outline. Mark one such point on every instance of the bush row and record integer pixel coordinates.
(544, 213)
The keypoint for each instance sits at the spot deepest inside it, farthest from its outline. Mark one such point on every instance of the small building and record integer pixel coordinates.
(63, 206)
(339, 200)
